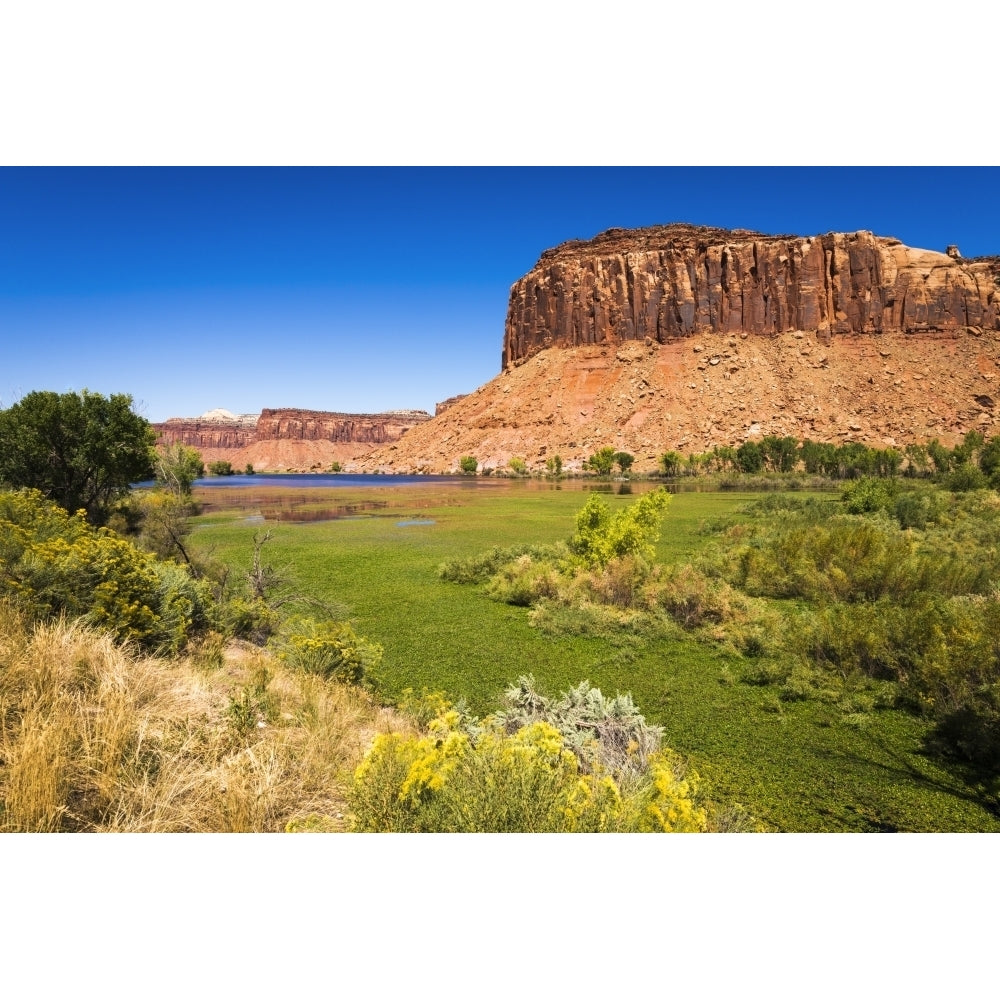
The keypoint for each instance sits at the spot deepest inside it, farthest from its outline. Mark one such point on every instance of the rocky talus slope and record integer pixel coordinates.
(683, 337)
(712, 390)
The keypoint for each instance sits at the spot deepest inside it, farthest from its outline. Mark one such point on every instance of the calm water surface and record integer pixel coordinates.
(308, 497)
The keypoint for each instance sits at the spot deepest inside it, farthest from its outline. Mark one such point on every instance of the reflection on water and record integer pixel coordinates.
(298, 498)
(285, 506)
(286, 512)
(622, 489)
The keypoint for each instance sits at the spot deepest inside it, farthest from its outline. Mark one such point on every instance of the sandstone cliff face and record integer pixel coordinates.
(204, 434)
(672, 282)
(355, 428)
(286, 439)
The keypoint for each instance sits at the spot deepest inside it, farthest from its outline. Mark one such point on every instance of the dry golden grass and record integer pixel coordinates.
(95, 738)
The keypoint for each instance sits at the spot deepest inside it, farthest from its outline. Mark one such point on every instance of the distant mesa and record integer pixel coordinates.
(287, 439)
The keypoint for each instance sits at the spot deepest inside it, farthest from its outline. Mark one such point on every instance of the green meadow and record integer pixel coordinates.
(793, 765)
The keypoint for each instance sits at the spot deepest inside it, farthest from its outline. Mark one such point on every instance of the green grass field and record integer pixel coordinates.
(793, 765)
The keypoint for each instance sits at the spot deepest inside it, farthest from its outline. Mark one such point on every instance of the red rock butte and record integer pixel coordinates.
(686, 337)
(676, 281)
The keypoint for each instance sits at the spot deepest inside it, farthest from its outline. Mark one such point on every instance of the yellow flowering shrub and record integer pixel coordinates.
(330, 649)
(460, 778)
(52, 562)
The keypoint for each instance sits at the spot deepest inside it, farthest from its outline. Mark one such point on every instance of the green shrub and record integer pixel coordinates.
(249, 618)
(185, 605)
(616, 583)
(480, 568)
(53, 563)
(606, 734)
(868, 495)
(918, 508)
(468, 464)
(845, 559)
(633, 531)
(524, 581)
(330, 649)
(252, 705)
(965, 477)
(690, 597)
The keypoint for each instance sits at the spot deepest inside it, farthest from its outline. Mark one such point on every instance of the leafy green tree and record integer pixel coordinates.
(855, 459)
(251, 471)
(670, 462)
(724, 457)
(220, 468)
(916, 460)
(940, 456)
(624, 461)
(989, 459)
(965, 477)
(518, 466)
(81, 450)
(970, 447)
(811, 454)
(887, 462)
(780, 452)
(177, 466)
(554, 464)
(750, 457)
(602, 462)
(468, 464)
(696, 464)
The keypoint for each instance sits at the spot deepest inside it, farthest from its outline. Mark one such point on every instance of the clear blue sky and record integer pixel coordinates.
(360, 289)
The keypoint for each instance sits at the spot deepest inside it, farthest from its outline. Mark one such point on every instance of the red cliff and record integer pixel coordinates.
(666, 283)
(286, 439)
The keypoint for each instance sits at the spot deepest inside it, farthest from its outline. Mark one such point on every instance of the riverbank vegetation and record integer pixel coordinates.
(813, 661)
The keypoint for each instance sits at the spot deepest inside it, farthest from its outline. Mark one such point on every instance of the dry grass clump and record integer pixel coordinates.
(96, 738)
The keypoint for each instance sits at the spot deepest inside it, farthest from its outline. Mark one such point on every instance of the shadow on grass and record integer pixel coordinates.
(968, 783)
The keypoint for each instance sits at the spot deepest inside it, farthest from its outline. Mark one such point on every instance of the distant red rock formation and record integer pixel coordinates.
(288, 438)
(354, 428)
(665, 283)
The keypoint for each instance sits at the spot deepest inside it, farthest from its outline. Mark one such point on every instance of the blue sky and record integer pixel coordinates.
(363, 289)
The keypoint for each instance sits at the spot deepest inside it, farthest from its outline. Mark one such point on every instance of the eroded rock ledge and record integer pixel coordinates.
(665, 283)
